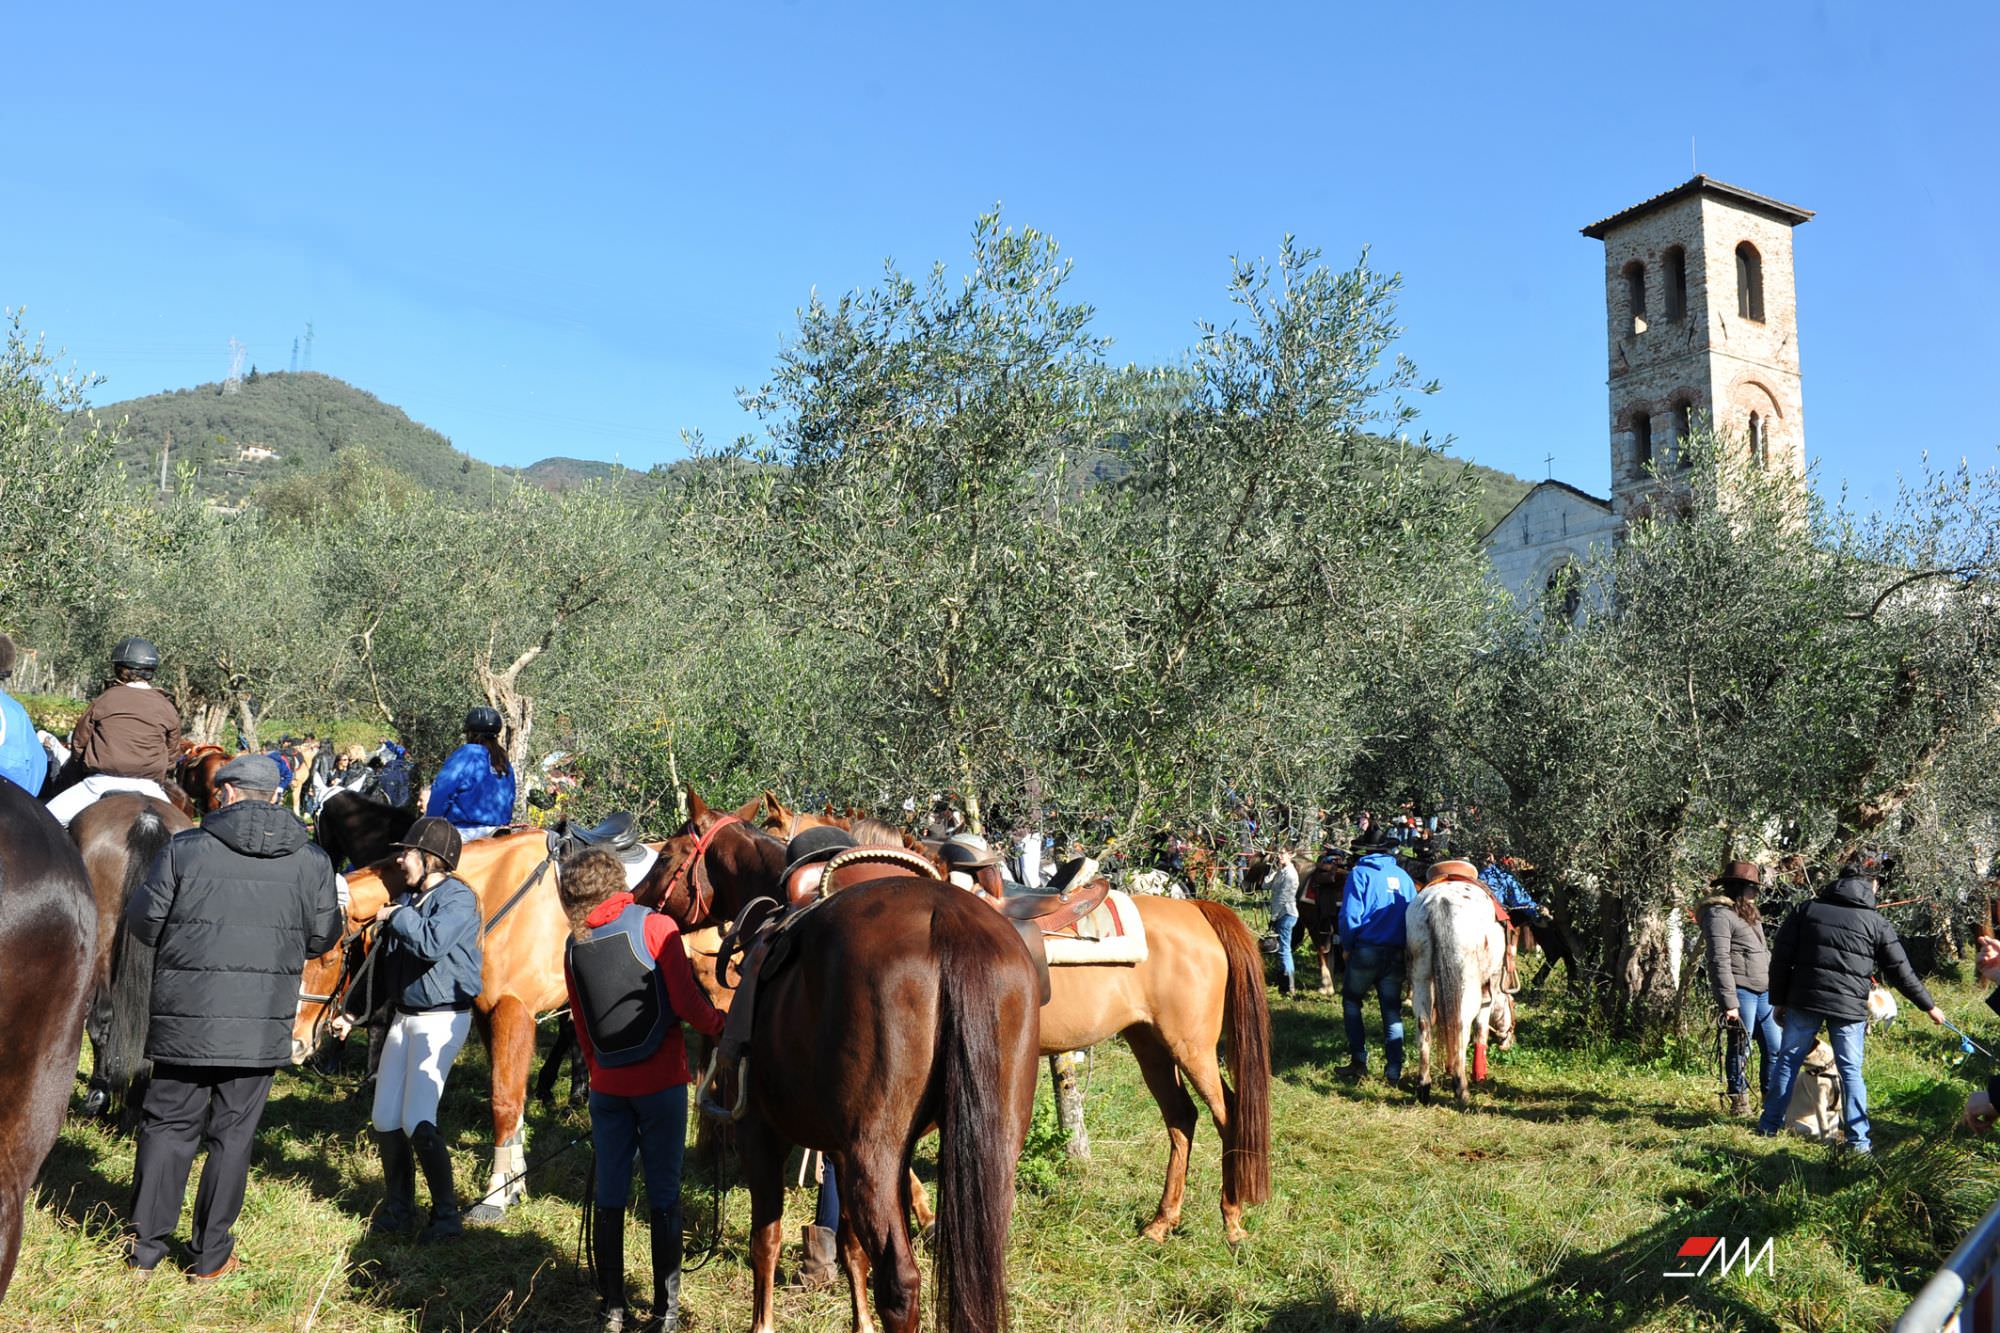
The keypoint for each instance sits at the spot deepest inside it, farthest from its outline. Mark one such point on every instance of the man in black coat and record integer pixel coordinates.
(233, 909)
(1822, 967)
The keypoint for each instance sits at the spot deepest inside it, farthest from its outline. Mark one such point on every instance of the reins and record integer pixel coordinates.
(693, 873)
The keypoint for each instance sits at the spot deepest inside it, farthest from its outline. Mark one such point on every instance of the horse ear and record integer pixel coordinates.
(748, 811)
(775, 806)
(697, 808)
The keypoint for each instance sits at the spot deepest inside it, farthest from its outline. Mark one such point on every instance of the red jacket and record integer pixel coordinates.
(667, 1066)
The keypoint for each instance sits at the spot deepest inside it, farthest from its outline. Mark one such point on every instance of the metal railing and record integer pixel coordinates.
(1959, 1298)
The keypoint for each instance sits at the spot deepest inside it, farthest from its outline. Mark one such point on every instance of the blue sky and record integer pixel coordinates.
(543, 233)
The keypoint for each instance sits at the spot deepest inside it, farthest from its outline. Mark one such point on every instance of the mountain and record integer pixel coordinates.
(281, 425)
(277, 424)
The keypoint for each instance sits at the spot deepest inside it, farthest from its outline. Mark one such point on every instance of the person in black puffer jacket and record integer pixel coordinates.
(1822, 964)
(232, 909)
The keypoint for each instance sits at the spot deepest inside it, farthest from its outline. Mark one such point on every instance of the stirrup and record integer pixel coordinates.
(704, 1092)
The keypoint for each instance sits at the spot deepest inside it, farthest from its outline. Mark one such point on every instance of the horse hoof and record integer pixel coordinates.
(1424, 1093)
(1155, 1232)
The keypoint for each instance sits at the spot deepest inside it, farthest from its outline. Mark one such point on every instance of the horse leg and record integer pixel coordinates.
(1423, 1001)
(762, 1155)
(872, 1208)
(854, 1259)
(1197, 1064)
(511, 1046)
(1157, 1065)
(1325, 949)
(920, 1204)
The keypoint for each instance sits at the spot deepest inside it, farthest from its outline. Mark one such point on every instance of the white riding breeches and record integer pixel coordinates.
(409, 1083)
(70, 802)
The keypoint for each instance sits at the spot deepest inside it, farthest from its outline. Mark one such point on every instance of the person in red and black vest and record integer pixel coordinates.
(630, 989)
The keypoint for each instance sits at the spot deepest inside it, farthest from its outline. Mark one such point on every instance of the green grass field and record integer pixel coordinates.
(1556, 1204)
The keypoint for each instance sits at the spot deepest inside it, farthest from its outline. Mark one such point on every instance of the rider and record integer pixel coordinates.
(127, 739)
(22, 759)
(630, 988)
(475, 788)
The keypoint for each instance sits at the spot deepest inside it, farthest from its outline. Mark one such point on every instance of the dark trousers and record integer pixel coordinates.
(188, 1109)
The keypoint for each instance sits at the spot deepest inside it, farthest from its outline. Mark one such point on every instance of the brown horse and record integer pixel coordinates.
(195, 772)
(1203, 975)
(523, 980)
(904, 1004)
(48, 935)
(119, 836)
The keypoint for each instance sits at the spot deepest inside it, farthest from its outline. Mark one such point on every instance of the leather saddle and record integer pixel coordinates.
(618, 834)
(1052, 909)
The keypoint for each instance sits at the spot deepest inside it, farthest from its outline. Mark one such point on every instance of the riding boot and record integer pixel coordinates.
(1288, 986)
(822, 1257)
(399, 1184)
(435, 1159)
(666, 1230)
(607, 1262)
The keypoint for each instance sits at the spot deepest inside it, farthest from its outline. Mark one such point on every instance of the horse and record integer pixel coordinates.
(353, 830)
(903, 1004)
(119, 837)
(48, 935)
(1203, 978)
(1319, 914)
(195, 771)
(1457, 951)
(514, 878)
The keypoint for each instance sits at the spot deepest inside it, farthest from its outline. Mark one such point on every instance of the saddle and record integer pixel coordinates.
(1051, 910)
(619, 832)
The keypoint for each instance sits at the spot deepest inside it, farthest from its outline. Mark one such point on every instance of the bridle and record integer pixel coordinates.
(692, 873)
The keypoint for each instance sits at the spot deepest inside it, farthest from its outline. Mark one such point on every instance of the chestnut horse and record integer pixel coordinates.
(48, 935)
(1203, 975)
(903, 1004)
(119, 836)
(195, 771)
(522, 980)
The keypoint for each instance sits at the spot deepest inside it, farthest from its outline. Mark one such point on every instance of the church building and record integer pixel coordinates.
(1701, 324)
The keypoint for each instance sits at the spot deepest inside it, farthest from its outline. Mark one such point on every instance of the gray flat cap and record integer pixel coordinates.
(257, 772)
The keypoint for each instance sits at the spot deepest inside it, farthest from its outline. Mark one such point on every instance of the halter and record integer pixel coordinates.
(692, 870)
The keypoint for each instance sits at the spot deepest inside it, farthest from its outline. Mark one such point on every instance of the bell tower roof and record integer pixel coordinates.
(1749, 200)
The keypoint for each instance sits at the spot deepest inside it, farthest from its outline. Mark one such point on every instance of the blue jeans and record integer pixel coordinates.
(1801, 1029)
(1283, 926)
(656, 1127)
(1376, 968)
(1754, 1008)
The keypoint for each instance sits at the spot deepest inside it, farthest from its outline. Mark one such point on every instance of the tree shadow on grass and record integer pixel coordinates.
(79, 1189)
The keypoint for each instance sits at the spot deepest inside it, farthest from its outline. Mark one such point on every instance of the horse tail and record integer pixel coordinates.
(132, 961)
(975, 1159)
(1246, 1020)
(1448, 981)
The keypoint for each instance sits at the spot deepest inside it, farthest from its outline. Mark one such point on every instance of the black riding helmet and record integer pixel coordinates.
(482, 721)
(136, 654)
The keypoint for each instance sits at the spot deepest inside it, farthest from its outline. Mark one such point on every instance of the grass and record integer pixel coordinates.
(1556, 1204)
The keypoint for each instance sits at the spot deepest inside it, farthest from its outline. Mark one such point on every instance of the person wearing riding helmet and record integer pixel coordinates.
(630, 989)
(475, 788)
(431, 961)
(22, 759)
(127, 739)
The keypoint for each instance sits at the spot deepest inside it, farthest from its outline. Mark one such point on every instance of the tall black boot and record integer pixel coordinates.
(435, 1159)
(666, 1228)
(607, 1261)
(399, 1184)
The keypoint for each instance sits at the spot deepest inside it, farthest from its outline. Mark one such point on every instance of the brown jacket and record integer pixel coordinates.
(129, 730)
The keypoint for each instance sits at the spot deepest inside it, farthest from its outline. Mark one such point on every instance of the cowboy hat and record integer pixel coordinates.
(819, 843)
(1453, 869)
(1739, 872)
(968, 851)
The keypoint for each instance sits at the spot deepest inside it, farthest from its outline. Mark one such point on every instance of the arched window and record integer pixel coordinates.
(1635, 294)
(1749, 282)
(1564, 592)
(1683, 430)
(1760, 447)
(1676, 268)
(1642, 439)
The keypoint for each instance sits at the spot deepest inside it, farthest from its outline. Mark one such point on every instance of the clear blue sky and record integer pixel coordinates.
(562, 230)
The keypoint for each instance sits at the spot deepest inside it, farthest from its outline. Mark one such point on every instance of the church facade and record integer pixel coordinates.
(1701, 325)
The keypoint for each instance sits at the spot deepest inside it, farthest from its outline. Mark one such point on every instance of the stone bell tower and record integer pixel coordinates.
(1702, 323)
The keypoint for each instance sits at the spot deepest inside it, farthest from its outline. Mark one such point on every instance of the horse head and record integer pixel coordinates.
(711, 866)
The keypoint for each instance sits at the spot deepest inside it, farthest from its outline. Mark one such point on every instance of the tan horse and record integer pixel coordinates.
(522, 977)
(1203, 974)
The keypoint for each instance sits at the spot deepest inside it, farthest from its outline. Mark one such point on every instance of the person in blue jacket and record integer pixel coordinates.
(1377, 895)
(475, 788)
(22, 759)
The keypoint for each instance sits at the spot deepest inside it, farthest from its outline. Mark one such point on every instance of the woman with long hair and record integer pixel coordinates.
(475, 788)
(1739, 973)
(630, 989)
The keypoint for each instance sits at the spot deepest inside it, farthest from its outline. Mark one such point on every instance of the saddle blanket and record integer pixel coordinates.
(1112, 934)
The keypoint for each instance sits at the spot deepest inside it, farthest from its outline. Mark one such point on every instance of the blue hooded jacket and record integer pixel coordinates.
(1512, 896)
(469, 793)
(1379, 892)
(21, 756)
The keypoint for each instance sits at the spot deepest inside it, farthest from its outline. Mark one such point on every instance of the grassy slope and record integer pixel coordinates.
(1555, 1205)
